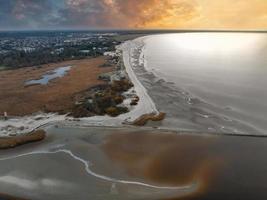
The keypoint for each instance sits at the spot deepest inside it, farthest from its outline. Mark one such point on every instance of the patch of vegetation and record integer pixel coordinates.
(103, 100)
(14, 141)
(141, 121)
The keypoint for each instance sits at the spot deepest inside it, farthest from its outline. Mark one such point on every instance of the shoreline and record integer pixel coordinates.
(149, 128)
(186, 109)
(145, 106)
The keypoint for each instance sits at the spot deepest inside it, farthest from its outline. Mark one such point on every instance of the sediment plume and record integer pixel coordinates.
(165, 158)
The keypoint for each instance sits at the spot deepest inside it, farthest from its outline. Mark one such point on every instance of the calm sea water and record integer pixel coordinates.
(212, 81)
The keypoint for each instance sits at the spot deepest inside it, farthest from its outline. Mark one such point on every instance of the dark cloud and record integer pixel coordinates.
(55, 14)
(83, 13)
(18, 14)
(6, 18)
(122, 13)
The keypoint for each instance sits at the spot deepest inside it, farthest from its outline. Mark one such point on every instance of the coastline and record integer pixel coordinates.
(185, 110)
(34, 121)
(128, 162)
(131, 54)
(144, 106)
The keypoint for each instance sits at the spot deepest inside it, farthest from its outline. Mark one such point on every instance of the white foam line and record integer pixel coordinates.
(90, 172)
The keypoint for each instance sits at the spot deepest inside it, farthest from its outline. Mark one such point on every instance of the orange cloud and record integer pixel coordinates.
(208, 14)
(171, 14)
(153, 13)
(229, 14)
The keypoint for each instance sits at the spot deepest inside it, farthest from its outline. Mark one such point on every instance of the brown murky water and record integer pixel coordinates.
(224, 167)
(136, 164)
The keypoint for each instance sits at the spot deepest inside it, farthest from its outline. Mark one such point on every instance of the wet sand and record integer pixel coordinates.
(57, 96)
(143, 163)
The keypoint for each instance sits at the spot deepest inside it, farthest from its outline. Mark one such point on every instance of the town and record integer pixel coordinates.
(37, 48)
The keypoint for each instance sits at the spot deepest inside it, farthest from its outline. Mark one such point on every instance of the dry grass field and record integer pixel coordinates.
(57, 96)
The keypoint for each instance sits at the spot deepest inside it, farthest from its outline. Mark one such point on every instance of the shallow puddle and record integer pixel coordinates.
(57, 73)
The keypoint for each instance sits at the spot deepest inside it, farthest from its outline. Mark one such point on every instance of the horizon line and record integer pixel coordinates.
(134, 30)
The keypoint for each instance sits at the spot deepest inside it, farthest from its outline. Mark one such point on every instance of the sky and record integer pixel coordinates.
(133, 14)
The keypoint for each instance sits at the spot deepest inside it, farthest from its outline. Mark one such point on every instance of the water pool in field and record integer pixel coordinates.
(46, 78)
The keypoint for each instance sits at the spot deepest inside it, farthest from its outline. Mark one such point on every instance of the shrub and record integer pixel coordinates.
(112, 111)
(118, 99)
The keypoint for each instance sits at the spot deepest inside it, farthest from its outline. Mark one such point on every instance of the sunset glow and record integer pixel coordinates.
(159, 14)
